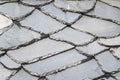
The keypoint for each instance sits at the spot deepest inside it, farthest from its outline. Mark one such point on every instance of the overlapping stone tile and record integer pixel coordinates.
(4, 23)
(35, 2)
(17, 36)
(55, 62)
(110, 42)
(6, 1)
(15, 10)
(4, 73)
(22, 75)
(100, 28)
(68, 17)
(92, 48)
(75, 6)
(89, 69)
(41, 22)
(108, 62)
(115, 3)
(9, 63)
(45, 47)
(71, 35)
(105, 11)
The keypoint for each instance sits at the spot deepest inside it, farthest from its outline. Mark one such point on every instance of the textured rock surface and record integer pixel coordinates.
(59, 39)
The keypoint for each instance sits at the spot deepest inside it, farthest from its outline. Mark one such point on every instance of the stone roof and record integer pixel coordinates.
(59, 39)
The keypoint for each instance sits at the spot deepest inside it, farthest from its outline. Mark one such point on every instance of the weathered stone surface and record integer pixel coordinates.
(105, 11)
(15, 10)
(38, 21)
(92, 48)
(59, 40)
(9, 63)
(55, 62)
(100, 28)
(70, 35)
(90, 68)
(68, 17)
(78, 6)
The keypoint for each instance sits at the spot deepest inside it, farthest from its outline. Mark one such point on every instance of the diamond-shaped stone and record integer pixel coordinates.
(4, 73)
(41, 22)
(108, 62)
(16, 36)
(92, 48)
(115, 3)
(22, 75)
(15, 10)
(36, 2)
(68, 17)
(105, 11)
(9, 62)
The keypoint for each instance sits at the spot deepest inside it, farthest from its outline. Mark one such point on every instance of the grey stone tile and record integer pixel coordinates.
(106, 11)
(71, 35)
(89, 69)
(115, 3)
(8, 62)
(92, 48)
(100, 28)
(110, 42)
(44, 47)
(79, 6)
(41, 22)
(55, 62)
(36, 2)
(4, 73)
(108, 61)
(15, 10)
(68, 17)
(16, 36)
(22, 75)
